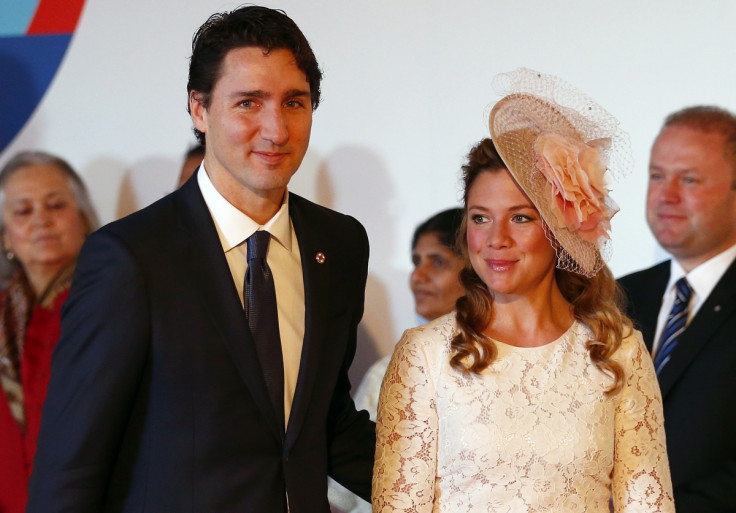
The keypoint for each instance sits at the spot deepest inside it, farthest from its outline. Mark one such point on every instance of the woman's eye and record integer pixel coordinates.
(479, 219)
(439, 262)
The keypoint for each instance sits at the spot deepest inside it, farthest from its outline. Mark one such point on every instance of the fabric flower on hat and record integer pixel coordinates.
(575, 171)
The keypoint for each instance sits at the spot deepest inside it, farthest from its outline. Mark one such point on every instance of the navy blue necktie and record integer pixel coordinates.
(259, 298)
(675, 324)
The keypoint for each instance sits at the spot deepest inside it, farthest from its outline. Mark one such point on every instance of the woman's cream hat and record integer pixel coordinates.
(563, 150)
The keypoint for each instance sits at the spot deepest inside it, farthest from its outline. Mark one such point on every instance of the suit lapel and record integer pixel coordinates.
(718, 307)
(316, 274)
(209, 270)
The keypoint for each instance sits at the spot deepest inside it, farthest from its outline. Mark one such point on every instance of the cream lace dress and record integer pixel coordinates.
(534, 432)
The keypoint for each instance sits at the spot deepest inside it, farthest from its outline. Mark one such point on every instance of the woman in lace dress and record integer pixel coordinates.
(537, 394)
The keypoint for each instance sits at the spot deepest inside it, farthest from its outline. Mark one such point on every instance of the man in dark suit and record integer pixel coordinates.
(690, 327)
(162, 396)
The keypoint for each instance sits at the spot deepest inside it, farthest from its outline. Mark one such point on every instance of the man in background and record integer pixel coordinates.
(206, 340)
(686, 307)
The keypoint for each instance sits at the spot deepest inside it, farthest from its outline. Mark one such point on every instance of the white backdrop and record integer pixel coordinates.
(405, 90)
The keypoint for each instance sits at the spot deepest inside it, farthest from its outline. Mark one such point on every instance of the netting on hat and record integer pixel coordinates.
(590, 120)
(538, 106)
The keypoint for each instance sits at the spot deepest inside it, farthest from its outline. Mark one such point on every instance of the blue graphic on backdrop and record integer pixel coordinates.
(34, 36)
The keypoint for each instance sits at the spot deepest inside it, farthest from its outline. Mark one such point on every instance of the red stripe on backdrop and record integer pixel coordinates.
(55, 17)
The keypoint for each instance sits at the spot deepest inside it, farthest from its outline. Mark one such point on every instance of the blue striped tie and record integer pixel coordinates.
(675, 325)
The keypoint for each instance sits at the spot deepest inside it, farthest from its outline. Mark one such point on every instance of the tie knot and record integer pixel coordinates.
(683, 290)
(258, 244)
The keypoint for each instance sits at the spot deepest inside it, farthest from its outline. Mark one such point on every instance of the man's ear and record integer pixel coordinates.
(197, 110)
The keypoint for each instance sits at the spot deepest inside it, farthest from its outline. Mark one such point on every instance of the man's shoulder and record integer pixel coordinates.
(643, 293)
(154, 226)
(336, 226)
(299, 205)
(180, 206)
(645, 277)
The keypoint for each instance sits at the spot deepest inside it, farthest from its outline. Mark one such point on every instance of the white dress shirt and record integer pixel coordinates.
(703, 279)
(233, 228)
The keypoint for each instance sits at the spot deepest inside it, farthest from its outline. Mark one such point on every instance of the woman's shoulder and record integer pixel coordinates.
(440, 329)
(432, 338)
(421, 356)
(632, 346)
(631, 353)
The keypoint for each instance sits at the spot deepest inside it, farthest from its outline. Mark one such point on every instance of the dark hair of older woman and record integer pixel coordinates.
(45, 215)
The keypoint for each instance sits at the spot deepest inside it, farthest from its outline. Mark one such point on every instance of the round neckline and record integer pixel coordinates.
(548, 344)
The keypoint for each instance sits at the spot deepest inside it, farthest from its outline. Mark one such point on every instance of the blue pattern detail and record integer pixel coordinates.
(16, 16)
(675, 325)
(27, 66)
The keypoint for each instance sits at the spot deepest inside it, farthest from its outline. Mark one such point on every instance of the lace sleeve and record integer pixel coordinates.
(406, 433)
(641, 475)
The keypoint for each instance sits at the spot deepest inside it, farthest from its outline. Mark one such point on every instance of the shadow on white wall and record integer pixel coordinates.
(354, 180)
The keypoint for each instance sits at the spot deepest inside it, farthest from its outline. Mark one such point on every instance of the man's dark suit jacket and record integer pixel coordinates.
(698, 390)
(157, 402)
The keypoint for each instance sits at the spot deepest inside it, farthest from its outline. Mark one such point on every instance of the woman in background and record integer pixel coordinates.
(45, 215)
(537, 394)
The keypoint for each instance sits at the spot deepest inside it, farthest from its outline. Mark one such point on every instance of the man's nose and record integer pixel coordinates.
(274, 126)
(670, 191)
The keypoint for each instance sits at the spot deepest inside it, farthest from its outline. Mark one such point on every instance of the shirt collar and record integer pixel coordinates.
(704, 278)
(233, 225)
